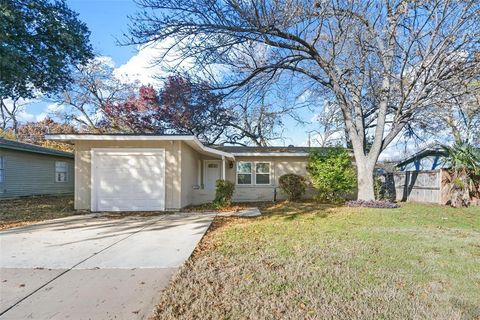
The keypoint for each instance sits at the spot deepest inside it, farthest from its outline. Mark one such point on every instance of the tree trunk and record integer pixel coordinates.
(365, 181)
(460, 190)
(14, 125)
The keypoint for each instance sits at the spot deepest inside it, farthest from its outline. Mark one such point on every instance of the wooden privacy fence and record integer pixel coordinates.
(417, 186)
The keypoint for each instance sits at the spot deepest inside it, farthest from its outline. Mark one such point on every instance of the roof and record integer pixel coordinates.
(189, 139)
(266, 151)
(226, 151)
(429, 151)
(247, 149)
(28, 147)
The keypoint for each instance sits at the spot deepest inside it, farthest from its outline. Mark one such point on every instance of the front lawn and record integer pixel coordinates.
(16, 212)
(308, 261)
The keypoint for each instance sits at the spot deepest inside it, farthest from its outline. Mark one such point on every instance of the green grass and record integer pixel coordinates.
(308, 261)
(16, 212)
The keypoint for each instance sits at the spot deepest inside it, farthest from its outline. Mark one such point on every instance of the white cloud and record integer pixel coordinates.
(106, 60)
(325, 139)
(55, 108)
(145, 68)
(24, 116)
(50, 111)
(304, 96)
(41, 116)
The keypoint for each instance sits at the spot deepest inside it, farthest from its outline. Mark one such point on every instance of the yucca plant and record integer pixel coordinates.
(464, 161)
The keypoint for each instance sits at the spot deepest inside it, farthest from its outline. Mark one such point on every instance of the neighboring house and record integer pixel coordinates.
(427, 159)
(168, 172)
(418, 178)
(27, 169)
(422, 177)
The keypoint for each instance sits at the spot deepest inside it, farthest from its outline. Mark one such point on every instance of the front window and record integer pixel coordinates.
(262, 173)
(2, 169)
(61, 171)
(257, 173)
(244, 173)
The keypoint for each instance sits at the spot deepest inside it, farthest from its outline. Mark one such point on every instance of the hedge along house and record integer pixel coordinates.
(122, 172)
(27, 170)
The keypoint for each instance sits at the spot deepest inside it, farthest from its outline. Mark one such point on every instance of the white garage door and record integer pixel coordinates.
(128, 179)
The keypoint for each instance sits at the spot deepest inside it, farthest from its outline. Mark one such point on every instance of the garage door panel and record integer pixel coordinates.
(129, 205)
(129, 180)
(114, 183)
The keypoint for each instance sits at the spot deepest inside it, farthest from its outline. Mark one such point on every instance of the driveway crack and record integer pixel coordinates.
(76, 265)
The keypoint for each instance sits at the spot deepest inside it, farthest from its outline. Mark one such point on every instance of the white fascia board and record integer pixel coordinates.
(210, 150)
(271, 154)
(107, 137)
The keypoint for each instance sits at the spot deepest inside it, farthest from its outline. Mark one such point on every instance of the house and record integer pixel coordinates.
(424, 177)
(128, 172)
(432, 158)
(27, 169)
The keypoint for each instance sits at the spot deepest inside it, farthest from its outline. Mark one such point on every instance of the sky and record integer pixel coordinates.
(108, 22)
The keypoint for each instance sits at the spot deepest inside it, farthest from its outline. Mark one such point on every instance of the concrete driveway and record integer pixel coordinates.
(89, 267)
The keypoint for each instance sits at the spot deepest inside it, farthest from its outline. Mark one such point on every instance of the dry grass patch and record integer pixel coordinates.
(310, 261)
(21, 211)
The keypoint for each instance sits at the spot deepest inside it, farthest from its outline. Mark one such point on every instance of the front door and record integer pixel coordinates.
(212, 173)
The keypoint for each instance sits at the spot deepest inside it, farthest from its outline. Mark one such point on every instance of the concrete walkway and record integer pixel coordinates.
(245, 213)
(88, 267)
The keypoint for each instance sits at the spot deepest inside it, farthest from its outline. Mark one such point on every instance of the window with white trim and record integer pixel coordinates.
(61, 171)
(262, 173)
(2, 169)
(253, 173)
(244, 172)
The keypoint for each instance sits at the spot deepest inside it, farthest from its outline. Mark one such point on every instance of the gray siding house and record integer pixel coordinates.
(27, 170)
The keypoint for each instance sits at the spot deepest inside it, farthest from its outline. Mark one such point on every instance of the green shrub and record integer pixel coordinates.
(223, 193)
(293, 185)
(332, 174)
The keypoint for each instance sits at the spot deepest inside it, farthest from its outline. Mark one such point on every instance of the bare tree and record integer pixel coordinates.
(94, 87)
(331, 129)
(382, 61)
(453, 120)
(9, 110)
(462, 116)
(254, 121)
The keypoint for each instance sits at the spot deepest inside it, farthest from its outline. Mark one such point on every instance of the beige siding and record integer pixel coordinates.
(181, 173)
(189, 167)
(172, 169)
(29, 173)
(279, 167)
(202, 196)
